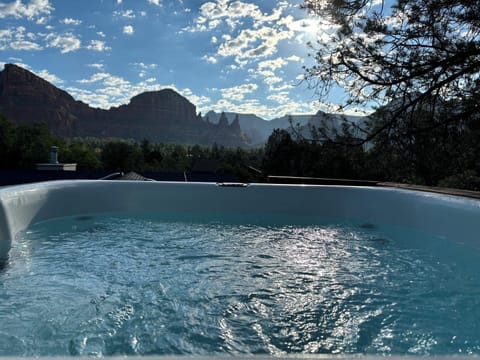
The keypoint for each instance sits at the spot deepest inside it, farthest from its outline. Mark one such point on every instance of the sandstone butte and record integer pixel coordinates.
(158, 116)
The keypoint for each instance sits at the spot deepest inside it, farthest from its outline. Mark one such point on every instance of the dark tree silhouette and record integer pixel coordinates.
(409, 54)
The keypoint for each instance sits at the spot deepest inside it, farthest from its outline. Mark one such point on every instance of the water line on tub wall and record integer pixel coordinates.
(5, 235)
(232, 184)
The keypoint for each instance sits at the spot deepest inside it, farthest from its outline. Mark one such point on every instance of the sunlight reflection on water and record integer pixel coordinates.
(140, 285)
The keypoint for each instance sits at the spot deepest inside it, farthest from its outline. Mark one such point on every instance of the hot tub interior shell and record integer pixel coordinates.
(447, 216)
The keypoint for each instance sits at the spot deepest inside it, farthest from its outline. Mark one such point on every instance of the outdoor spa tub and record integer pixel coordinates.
(163, 268)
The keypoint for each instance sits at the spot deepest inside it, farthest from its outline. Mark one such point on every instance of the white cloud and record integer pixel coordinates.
(333, 108)
(115, 81)
(117, 93)
(128, 30)
(114, 91)
(267, 70)
(31, 10)
(54, 79)
(282, 87)
(110, 90)
(256, 43)
(95, 77)
(20, 31)
(45, 74)
(254, 34)
(128, 14)
(42, 20)
(265, 111)
(19, 62)
(96, 66)
(294, 58)
(235, 46)
(25, 45)
(213, 13)
(309, 29)
(6, 34)
(272, 80)
(198, 101)
(281, 98)
(92, 98)
(155, 2)
(67, 42)
(245, 107)
(209, 59)
(237, 93)
(144, 66)
(98, 45)
(244, 43)
(70, 21)
(271, 65)
(18, 39)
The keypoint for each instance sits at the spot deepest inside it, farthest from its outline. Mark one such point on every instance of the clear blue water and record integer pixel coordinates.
(110, 285)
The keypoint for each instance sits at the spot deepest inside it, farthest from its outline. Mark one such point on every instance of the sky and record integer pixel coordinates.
(224, 55)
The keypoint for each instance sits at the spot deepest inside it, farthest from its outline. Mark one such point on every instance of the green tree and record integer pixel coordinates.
(175, 158)
(279, 151)
(122, 156)
(79, 151)
(32, 145)
(152, 155)
(198, 152)
(314, 158)
(424, 149)
(7, 141)
(410, 54)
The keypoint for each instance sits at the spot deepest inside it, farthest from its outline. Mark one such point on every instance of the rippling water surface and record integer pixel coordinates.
(113, 285)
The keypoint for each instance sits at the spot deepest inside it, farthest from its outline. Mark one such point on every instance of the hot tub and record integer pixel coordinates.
(443, 215)
(312, 280)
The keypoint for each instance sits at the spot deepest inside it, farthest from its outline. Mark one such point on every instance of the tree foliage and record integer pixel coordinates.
(22, 146)
(448, 154)
(7, 141)
(292, 155)
(410, 54)
(83, 152)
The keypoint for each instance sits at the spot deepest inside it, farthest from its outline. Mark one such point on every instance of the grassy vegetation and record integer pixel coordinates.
(447, 154)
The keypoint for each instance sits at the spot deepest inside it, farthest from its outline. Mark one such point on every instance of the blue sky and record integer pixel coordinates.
(224, 55)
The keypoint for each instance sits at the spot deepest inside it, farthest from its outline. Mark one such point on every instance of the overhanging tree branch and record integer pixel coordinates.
(405, 54)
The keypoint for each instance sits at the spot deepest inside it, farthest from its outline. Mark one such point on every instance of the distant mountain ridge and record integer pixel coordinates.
(159, 116)
(258, 130)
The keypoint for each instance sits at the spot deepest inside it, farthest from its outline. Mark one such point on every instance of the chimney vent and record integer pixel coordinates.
(54, 164)
(54, 155)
